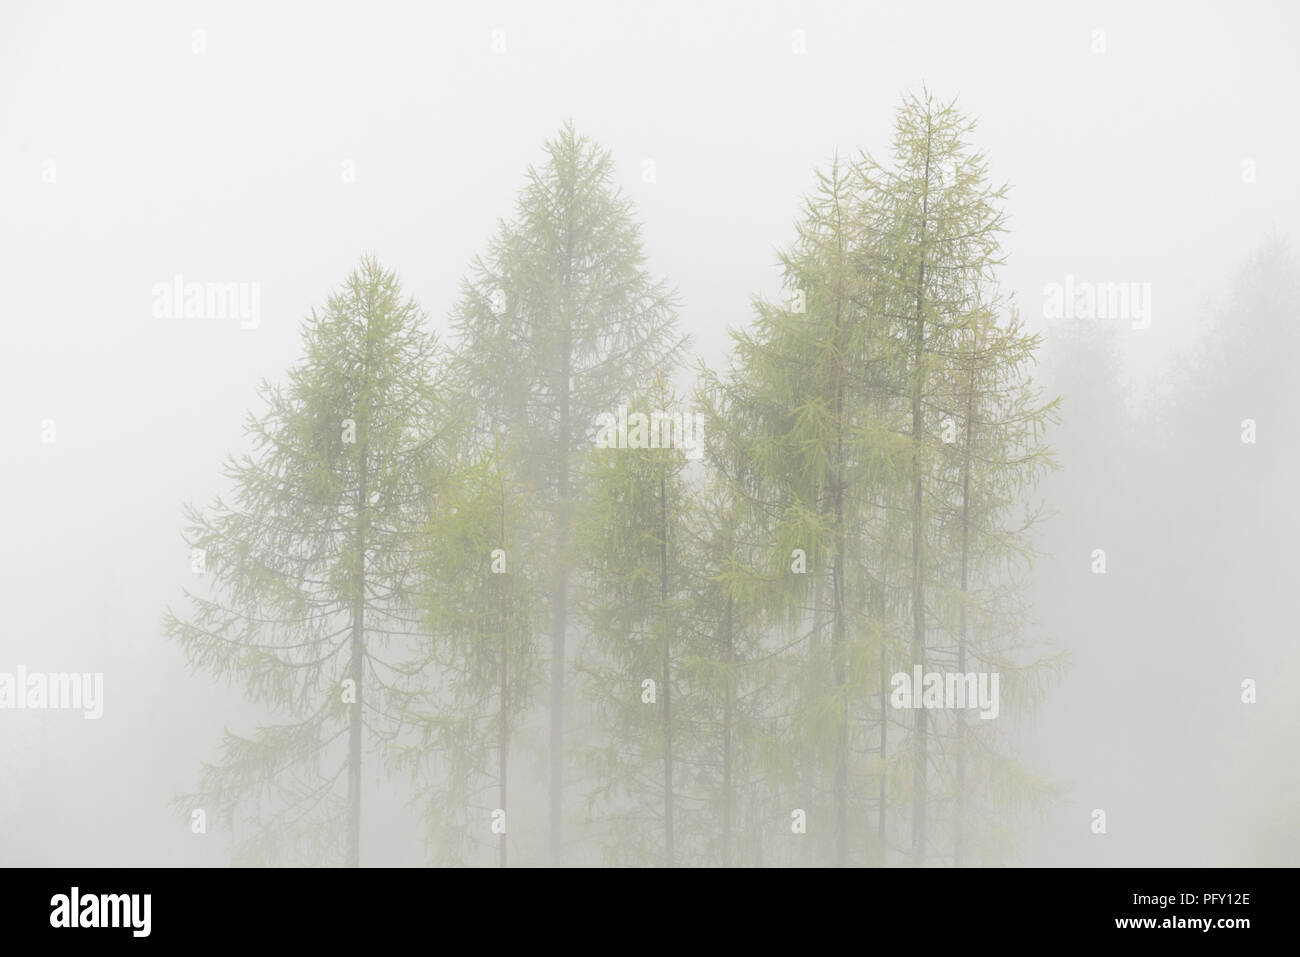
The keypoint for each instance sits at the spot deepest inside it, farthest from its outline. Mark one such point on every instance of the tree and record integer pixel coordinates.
(936, 223)
(993, 422)
(636, 536)
(310, 569)
(809, 451)
(558, 323)
(673, 659)
(1211, 493)
(843, 418)
(731, 674)
(473, 678)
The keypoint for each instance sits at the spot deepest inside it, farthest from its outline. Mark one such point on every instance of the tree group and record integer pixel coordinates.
(429, 564)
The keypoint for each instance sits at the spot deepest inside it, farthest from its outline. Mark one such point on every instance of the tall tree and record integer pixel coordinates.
(558, 322)
(937, 222)
(673, 661)
(806, 418)
(993, 422)
(310, 570)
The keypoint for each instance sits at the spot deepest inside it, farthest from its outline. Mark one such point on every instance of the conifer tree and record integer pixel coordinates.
(993, 423)
(674, 663)
(310, 571)
(811, 451)
(471, 682)
(558, 322)
(729, 674)
(935, 222)
(639, 545)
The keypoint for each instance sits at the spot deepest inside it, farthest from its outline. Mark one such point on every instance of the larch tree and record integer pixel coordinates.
(471, 681)
(673, 664)
(935, 222)
(813, 456)
(309, 568)
(640, 548)
(731, 672)
(557, 323)
(993, 423)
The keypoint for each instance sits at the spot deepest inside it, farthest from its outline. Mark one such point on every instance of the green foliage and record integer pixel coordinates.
(308, 566)
(865, 504)
(481, 588)
(557, 324)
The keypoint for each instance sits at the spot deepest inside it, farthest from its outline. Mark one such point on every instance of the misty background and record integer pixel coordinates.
(227, 165)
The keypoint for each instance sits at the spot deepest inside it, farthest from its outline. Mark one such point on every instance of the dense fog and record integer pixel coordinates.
(199, 198)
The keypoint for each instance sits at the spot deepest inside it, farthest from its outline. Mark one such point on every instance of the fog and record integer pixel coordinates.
(273, 147)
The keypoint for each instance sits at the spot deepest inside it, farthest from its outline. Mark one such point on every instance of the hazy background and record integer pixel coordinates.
(226, 165)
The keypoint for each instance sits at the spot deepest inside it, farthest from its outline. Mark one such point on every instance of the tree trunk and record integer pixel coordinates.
(356, 668)
(882, 823)
(504, 731)
(726, 740)
(837, 644)
(838, 626)
(959, 837)
(561, 621)
(918, 570)
(668, 707)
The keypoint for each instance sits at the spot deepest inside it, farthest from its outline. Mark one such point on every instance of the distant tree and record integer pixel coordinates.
(1209, 493)
(640, 550)
(557, 324)
(995, 422)
(729, 674)
(480, 586)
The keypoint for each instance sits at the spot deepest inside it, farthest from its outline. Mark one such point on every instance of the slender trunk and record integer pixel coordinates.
(356, 666)
(882, 824)
(726, 739)
(354, 743)
(883, 815)
(918, 570)
(557, 660)
(842, 737)
(561, 600)
(961, 635)
(837, 586)
(838, 650)
(505, 748)
(504, 731)
(668, 707)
